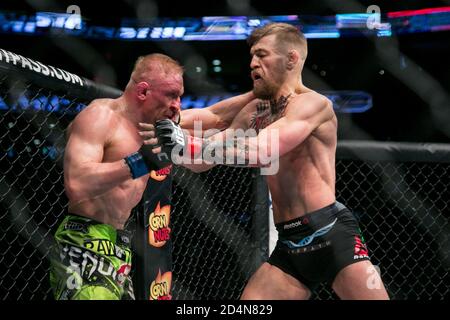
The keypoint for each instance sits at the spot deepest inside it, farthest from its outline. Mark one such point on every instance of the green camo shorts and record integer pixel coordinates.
(90, 261)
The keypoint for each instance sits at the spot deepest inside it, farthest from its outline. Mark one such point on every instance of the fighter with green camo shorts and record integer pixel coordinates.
(91, 261)
(107, 166)
(108, 160)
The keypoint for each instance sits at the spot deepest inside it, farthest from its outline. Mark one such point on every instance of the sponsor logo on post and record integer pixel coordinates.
(161, 286)
(158, 229)
(161, 174)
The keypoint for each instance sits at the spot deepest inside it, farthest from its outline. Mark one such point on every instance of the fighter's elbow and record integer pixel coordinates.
(73, 189)
(222, 124)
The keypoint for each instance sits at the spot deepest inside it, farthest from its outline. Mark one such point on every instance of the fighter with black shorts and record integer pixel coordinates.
(291, 134)
(316, 246)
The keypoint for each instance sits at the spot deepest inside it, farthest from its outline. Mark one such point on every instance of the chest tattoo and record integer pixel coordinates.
(267, 112)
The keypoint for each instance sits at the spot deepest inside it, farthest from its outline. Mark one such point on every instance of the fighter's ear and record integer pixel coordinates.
(293, 59)
(142, 88)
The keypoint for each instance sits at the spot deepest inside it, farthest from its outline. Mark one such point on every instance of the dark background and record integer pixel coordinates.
(409, 89)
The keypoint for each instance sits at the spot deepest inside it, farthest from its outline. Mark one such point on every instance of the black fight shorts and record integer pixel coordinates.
(315, 247)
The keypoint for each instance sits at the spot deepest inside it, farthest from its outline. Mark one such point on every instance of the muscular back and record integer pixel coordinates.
(96, 179)
(306, 177)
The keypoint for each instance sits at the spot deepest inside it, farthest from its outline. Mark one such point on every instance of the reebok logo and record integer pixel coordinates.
(301, 222)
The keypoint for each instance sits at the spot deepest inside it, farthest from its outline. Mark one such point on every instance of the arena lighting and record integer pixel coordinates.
(343, 102)
(228, 27)
(410, 13)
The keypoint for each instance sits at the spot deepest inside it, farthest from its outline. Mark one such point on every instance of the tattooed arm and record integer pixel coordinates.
(282, 128)
(221, 147)
(280, 131)
(218, 116)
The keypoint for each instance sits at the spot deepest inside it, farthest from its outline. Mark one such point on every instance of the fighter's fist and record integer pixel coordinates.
(150, 156)
(170, 136)
(175, 142)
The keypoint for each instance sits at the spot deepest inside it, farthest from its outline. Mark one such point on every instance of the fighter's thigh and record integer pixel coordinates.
(270, 283)
(360, 281)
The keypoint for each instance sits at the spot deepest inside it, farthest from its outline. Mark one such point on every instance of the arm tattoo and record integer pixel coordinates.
(242, 151)
(234, 152)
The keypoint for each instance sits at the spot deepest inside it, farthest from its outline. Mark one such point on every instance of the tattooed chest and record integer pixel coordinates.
(268, 112)
(260, 121)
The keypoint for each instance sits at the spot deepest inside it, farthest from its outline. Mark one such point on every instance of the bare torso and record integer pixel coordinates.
(306, 178)
(114, 206)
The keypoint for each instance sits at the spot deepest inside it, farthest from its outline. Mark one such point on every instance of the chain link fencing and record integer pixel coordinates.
(216, 233)
(31, 185)
(220, 221)
(400, 195)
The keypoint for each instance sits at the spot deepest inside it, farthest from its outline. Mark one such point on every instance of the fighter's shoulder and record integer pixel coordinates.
(310, 104)
(101, 106)
(100, 110)
(312, 98)
(99, 113)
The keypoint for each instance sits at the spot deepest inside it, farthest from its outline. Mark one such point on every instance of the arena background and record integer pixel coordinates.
(400, 200)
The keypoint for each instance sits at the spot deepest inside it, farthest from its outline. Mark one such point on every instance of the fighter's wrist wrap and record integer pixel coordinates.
(144, 160)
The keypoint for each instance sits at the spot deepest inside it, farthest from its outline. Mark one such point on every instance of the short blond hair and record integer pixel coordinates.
(154, 65)
(286, 35)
